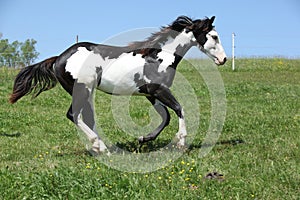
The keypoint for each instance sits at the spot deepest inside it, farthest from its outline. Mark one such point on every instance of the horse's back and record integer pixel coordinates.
(112, 69)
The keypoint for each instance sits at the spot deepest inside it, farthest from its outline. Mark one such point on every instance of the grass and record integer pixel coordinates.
(42, 157)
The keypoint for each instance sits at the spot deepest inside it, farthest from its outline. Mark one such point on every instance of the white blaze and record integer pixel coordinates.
(213, 48)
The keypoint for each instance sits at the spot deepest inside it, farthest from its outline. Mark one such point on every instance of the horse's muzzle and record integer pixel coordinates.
(220, 62)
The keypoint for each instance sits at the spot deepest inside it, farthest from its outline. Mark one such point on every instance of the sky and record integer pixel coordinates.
(263, 28)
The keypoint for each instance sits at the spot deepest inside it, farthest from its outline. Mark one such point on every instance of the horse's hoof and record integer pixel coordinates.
(141, 139)
(182, 147)
(97, 152)
(93, 152)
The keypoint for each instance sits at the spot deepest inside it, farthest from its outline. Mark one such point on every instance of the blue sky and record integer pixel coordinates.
(262, 27)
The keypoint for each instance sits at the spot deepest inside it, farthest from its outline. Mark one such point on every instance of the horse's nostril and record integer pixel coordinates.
(224, 60)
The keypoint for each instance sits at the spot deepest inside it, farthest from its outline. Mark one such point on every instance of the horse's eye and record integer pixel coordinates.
(214, 37)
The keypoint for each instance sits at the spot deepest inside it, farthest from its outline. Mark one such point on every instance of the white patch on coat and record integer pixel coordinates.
(118, 77)
(147, 80)
(83, 64)
(118, 74)
(168, 49)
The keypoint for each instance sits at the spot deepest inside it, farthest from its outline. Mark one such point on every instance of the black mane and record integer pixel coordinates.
(151, 43)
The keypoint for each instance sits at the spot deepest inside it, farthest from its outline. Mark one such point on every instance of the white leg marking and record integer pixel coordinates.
(182, 133)
(98, 145)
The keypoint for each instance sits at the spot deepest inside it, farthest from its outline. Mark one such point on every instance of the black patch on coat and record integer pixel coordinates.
(109, 51)
(99, 75)
(156, 78)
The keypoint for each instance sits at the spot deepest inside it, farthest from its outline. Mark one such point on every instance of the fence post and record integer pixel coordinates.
(233, 47)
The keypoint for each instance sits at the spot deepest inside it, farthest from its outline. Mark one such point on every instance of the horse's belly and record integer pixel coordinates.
(121, 76)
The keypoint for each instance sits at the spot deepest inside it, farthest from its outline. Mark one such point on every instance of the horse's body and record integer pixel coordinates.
(141, 68)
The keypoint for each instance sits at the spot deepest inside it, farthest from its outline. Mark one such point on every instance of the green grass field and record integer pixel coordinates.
(258, 152)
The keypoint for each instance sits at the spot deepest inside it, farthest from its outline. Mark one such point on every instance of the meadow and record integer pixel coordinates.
(257, 155)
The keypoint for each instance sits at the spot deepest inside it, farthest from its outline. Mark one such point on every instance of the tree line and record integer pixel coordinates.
(17, 54)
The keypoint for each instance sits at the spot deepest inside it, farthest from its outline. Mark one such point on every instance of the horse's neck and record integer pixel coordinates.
(176, 47)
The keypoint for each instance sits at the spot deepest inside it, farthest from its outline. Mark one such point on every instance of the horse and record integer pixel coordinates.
(146, 68)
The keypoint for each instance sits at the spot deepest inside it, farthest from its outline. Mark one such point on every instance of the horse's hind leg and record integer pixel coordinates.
(164, 113)
(82, 112)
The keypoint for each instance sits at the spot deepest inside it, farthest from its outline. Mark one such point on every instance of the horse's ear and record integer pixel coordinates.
(212, 19)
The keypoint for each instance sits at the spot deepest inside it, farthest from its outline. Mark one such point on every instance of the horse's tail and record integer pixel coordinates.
(34, 78)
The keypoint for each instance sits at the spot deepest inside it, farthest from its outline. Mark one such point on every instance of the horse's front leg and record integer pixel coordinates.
(164, 95)
(82, 110)
(164, 113)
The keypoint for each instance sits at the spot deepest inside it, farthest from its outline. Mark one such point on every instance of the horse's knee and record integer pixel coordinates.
(71, 116)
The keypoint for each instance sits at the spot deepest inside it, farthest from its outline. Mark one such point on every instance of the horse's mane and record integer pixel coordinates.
(151, 43)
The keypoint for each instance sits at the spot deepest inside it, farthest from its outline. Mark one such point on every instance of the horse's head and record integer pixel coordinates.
(208, 40)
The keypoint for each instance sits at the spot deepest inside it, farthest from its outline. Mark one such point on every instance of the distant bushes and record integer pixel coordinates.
(17, 54)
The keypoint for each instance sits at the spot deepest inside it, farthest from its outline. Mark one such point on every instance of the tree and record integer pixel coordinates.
(14, 53)
(29, 54)
(10, 53)
(3, 46)
(17, 54)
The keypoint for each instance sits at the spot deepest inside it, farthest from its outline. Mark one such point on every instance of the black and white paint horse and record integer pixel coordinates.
(145, 68)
